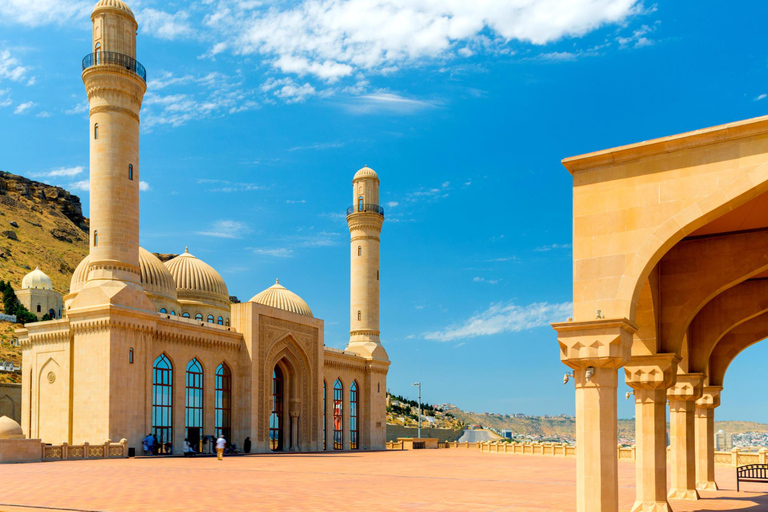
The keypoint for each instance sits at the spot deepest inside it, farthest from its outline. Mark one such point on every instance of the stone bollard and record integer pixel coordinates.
(64, 451)
(106, 448)
(124, 442)
(763, 455)
(85, 450)
(735, 457)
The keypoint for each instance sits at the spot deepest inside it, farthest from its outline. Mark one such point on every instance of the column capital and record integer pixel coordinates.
(710, 397)
(603, 343)
(658, 371)
(687, 388)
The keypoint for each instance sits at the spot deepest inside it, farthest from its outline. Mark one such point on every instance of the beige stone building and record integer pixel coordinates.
(152, 347)
(670, 260)
(38, 296)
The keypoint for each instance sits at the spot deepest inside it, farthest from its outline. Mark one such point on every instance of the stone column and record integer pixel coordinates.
(682, 397)
(705, 438)
(294, 431)
(650, 376)
(596, 350)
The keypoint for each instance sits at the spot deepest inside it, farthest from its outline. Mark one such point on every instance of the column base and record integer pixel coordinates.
(651, 506)
(683, 494)
(707, 486)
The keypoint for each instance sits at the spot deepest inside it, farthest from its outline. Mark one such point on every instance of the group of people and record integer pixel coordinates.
(151, 446)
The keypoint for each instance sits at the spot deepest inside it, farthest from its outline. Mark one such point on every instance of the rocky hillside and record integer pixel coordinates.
(40, 225)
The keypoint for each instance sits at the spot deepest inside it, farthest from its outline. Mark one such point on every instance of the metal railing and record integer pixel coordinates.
(368, 208)
(115, 59)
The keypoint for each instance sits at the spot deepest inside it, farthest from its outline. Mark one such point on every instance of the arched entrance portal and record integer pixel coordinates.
(276, 419)
(284, 417)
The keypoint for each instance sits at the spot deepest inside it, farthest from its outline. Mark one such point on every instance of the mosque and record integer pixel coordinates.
(143, 346)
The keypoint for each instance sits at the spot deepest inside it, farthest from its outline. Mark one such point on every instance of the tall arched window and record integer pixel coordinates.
(95, 238)
(210, 319)
(223, 402)
(194, 403)
(221, 320)
(359, 315)
(198, 316)
(162, 401)
(353, 433)
(338, 415)
(96, 130)
(276, 418)
(130, 171)
(359, 250)
(185, 315)
(227, 322)
(97, 51)
(360, 203)
(130, 355)
(324, 406)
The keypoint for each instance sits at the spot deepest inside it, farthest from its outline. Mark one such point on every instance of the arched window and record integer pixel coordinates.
(185, 315)
(353, 433)
(130, 355)
(210, 319)
(338, 415)
(227, 322)
(52, 313)
(359, 315)
(324, 421)
(130, 171)
(360, 203)
(221, 320)
(173, 313)
(198, 316)
(163, 311)
(97, 51)
(162, 401)
(96, 130)
(95, 238)
(223, 402)
(39, 309)
(276, 418)
(194, 403)
(359, 250)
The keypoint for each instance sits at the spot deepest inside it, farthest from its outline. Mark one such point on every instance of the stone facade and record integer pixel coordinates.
(147, 347)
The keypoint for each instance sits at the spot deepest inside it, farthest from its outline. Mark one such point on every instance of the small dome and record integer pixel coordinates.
(38, 280)
(113, 4)
(155, 277)
(277, 296)
(196, 279)
(366, 172)
(9, 429)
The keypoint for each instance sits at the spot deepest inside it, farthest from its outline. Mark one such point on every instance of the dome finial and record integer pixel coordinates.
(186, 249)
(277, 281)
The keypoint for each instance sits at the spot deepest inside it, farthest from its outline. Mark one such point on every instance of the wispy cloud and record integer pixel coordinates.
(82, 185)
(80, 108)
(60, 172)
(226, 229)
(44, 12)
(278, 252)
(502, 259)
(23, 108)
(228, 186)
(639, 38)
(164, 25)
(5, 100)
(319, 146)
(761, 97)
(484, 280)
(552, 247)
(503, 317)
(386, 103)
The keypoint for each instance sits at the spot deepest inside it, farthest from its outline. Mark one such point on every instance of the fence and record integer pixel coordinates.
(732, 458)
(65, 451)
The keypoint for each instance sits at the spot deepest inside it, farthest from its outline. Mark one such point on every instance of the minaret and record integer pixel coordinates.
(115, 83)
(365, 218)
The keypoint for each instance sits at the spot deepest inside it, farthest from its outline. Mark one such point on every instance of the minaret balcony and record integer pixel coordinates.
(115, 59)
(365, 208)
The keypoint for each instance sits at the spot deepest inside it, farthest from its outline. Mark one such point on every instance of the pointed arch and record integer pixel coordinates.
(353, 415)
(162, 399)
(223, 421)
(338, 415)
(193, 406)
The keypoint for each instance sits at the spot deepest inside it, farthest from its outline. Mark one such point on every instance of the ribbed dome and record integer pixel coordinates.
(37, 279)
(277, 296)
(365, 172)
(114, 4)
(194, 277)
(155, 277)
(9, 429)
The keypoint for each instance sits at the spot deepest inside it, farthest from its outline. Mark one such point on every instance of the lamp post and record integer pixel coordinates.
(419, 385)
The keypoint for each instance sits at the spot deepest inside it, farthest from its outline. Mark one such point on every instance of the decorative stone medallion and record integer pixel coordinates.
(51, 377)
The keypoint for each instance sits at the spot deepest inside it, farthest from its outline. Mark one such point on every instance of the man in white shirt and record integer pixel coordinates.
(221, 443)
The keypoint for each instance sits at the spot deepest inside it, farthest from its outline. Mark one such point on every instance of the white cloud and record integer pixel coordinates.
(546, 248)
(228, 186)
(59, 172)
(640, 37)
(386, 103)
(503, 317)
(24, 107)
(280, 252)
(227, 229)
(392, 204)
(758, 98)
(80, 108)
(334, 38)
(44, 114)
(484, 280)
(10, 67)
(5, 101)
(44, 12)
(144, 186)
(83, 185)
(163, 25)
(318, 146)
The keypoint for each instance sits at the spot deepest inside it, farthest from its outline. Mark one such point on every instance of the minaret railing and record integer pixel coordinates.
(366, 207)
(115, 59)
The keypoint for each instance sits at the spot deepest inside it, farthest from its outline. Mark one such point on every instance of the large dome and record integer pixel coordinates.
(196, 280)
(113, 4)
(277, 296)
(9, 429)
(155, 277)
(365, 172)
(36, 280)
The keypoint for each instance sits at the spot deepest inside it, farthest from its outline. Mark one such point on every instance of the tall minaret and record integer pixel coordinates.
(115, 84)
(365, 218)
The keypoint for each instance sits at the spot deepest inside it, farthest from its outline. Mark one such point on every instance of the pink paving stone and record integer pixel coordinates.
(431, 480)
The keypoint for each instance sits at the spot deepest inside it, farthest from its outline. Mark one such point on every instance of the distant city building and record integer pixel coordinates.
(506, 433)
(38, 296)
(723, 441)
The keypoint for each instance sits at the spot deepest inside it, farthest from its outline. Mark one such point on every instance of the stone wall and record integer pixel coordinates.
(442, 434)
(10, 401)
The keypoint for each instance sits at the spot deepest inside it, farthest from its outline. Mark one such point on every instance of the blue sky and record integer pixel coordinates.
(258, 114)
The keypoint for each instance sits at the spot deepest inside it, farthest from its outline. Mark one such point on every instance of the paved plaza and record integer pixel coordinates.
(373, 481)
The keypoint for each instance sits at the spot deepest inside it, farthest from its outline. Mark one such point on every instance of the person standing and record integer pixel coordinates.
(148, 444)
(221, 443)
